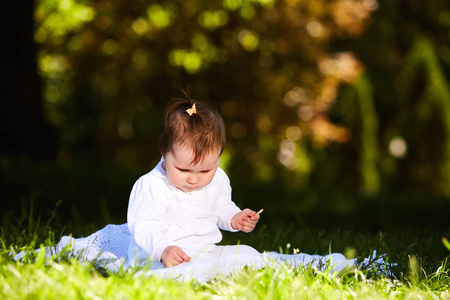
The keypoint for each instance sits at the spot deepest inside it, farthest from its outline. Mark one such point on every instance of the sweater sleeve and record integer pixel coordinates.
(225, 208)
(145, 217)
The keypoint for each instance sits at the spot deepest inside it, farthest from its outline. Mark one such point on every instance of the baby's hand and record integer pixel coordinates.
(174, 255)
(245, 220)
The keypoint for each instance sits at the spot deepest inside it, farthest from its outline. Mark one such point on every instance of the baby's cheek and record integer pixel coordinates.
(207, 181)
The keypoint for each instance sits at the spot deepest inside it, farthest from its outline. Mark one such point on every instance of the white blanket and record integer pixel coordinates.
(108, 248)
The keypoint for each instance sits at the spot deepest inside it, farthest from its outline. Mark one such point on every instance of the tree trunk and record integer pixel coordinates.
(23, 129)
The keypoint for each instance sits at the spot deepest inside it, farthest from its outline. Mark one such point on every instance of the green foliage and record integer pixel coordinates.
(58, 18)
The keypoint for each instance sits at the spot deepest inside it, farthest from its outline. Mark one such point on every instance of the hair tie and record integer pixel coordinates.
(192, 110)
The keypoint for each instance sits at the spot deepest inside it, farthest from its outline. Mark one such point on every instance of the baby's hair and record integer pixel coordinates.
(202, 131)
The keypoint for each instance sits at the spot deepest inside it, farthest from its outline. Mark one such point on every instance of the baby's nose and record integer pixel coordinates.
(193, 178)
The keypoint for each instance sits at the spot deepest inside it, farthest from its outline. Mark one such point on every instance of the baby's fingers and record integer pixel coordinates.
(248, 222)
(248, 212)
(184, 257)
(247, 226)
(181, 256)
(170, 262)
(255, 218)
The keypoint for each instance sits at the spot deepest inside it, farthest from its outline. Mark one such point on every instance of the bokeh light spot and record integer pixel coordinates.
(232, 4)
(213, 19)
(314, 29)
(160, 16)
(264, 123)
(247, 11)
(398, 147)
(294, 96)
(140, 26)
(110, 47)
(286, 154)
(192, 62)
(249, 40)
(293, 133)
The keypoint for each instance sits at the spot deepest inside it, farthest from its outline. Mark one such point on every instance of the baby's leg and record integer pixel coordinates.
(199, 254)
(222, 251)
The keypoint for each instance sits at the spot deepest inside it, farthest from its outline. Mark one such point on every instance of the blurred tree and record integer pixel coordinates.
(355, 108)
(406, 69)
(424, 120)
(308, 89)
(259, 60)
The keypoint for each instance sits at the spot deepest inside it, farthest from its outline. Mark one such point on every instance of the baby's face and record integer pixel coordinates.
(187, 176)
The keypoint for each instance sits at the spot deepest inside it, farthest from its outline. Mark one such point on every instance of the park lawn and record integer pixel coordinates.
(422, 271)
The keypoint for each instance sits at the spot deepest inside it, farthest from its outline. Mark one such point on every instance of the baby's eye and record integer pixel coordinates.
(205, 171)
(183, 170)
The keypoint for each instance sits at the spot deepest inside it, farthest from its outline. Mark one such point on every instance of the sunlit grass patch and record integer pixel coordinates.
(41, 277)
(311, 283)
(79, 281)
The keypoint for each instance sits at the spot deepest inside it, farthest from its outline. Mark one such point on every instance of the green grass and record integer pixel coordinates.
(46, 279)
(422, 272)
